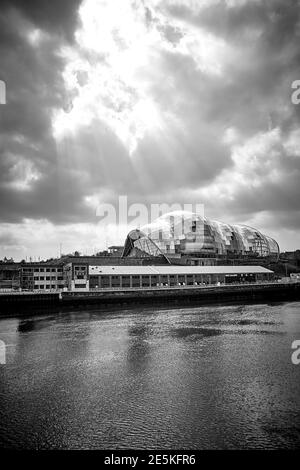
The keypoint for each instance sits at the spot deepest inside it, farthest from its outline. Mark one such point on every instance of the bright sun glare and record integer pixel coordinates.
(110, 74)
(104, 77)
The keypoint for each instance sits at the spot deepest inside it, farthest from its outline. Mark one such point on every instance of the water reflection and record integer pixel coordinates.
(139, 348)
(209, 377)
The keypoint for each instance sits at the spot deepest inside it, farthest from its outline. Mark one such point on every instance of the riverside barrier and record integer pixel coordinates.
(266, 291)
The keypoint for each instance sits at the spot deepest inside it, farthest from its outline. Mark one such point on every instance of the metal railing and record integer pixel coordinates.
(157, 287)
(199, 286)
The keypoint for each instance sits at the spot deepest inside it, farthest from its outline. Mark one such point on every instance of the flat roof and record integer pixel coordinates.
(156, 270)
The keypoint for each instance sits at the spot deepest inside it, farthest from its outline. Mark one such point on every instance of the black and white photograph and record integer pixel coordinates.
(150, 228)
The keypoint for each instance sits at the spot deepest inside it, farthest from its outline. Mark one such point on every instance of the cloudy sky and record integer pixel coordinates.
(165, 101)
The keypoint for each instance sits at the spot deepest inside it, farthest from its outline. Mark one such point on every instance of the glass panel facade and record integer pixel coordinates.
(188, 233)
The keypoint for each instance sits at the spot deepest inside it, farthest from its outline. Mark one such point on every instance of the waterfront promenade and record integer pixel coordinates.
(265, 291)
(130, 289)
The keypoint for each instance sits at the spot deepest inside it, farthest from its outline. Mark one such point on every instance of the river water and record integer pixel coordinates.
(216, 377)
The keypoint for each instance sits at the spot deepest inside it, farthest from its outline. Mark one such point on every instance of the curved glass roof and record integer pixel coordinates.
(183, 232)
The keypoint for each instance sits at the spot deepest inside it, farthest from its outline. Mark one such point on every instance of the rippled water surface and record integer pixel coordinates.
(206, 377)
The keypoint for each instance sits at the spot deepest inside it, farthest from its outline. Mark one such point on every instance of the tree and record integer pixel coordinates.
(8, 260)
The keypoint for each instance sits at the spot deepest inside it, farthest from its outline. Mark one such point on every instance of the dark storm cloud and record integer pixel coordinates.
(32, 73)
(274, 197)
(55, 16)
(267, 36)
(254, 96)
(274, 19)
(208, 115)
(66, 179)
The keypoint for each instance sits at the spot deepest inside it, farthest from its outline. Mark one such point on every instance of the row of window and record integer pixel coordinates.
(48, 270)
(42, 270)
(48, 278)
(48, 287)
(153, 276)
(153, 280)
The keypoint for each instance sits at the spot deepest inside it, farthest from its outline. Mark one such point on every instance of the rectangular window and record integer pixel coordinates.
(115, 281)
(135, 281)
(145, 281)
(79, 274)
(154, 281)
(104, 281)
(125, 281)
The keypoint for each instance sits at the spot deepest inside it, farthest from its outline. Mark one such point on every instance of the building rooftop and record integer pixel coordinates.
(156, 270)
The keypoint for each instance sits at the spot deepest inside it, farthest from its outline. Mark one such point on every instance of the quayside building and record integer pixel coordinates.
(93, 273)
(110, 277)
(178, 249)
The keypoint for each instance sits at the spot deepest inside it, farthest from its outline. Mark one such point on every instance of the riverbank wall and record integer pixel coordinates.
(269, 292)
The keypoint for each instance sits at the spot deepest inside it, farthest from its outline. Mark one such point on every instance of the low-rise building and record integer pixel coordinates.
(91, 277)
(42, 276)
(10, 276)
(76, 268)
(84, 273)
